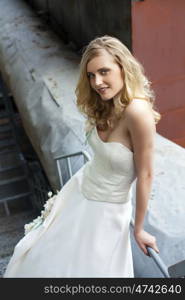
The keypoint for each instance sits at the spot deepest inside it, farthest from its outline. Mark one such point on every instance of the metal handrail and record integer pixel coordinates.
(156, 257)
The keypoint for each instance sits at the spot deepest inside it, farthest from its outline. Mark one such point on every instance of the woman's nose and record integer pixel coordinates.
(98, 80)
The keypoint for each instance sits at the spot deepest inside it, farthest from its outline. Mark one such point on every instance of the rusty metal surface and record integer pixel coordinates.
(161, 24)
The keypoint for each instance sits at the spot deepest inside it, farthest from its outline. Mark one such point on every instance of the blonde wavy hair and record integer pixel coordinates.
(136, 84)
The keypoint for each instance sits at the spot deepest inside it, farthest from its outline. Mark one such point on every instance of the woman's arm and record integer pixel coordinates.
(141, 126)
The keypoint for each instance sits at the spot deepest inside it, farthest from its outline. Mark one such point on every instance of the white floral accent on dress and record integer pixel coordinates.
(44, 213)
(88, 129)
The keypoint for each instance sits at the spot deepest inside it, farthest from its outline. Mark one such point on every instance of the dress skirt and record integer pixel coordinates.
(79, 238)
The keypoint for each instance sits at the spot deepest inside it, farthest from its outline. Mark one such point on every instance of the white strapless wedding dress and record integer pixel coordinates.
(87, 233)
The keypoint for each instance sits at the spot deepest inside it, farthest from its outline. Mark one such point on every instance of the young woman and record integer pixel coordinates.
(86, 233)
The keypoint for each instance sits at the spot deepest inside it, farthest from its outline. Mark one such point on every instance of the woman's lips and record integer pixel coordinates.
(102, 90)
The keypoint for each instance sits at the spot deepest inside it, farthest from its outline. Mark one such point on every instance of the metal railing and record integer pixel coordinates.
(86, 155)
(156, 257)
(39, 184)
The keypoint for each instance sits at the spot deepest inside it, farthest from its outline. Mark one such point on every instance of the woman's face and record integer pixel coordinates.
(105, 75)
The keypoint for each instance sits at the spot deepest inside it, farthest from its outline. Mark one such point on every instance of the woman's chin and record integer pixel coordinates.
(106, 98)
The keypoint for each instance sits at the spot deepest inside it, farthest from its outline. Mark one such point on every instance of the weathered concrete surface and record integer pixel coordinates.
(41, 74)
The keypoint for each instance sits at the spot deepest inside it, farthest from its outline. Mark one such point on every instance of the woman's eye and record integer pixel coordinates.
(103, 72)
(89, 75)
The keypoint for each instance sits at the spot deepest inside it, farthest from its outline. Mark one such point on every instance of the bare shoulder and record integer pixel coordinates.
(139, 112)
(137, 106)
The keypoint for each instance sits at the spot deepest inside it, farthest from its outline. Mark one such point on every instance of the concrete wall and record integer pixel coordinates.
(158, 30)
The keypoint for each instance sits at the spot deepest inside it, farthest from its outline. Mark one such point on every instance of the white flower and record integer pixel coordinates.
(44, 213)
(50, 194)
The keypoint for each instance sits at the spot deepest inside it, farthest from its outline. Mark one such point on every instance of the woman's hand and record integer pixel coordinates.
(145, 239)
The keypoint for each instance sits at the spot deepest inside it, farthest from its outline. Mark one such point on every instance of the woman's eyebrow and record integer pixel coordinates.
(101, 69)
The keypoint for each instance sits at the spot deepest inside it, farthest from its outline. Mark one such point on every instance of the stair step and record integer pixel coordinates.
(8, 149)
(9, 159)
(7, 141)
(15, 187)
(4, 122)
(4, 114)
(2, 96)
(6, 135)
(7, 145)
(7, 181)
(12, 173)
(21, 195)
(8, 152)
(5, 128)
(12, 167)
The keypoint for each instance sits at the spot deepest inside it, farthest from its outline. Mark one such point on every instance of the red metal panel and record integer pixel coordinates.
(158, 30)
